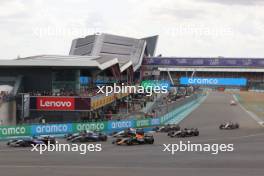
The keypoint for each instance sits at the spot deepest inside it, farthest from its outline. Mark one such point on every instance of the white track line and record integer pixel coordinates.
(251, 114)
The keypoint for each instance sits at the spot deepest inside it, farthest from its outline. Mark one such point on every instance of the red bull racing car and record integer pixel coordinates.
(134, 138)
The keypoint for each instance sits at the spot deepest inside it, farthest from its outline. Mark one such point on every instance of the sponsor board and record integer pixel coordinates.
(165, 84)
(165, 118)
(96, 126)
(213, 81)
(51, 129)
(8, 131)
(55, 103)
(155, 122)
(143, 123)
(122, 124)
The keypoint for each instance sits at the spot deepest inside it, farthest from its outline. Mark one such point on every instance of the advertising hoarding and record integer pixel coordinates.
(8, 131)
(213, 81)
(237, 62)
(51, 129)
(93, 126)
(55, 103)
(122, 124)
(51, 103)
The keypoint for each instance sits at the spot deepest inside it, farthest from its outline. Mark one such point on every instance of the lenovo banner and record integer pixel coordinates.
(56, 103)
(50, 103)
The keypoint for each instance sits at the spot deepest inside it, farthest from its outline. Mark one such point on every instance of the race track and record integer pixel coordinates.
(148, 160)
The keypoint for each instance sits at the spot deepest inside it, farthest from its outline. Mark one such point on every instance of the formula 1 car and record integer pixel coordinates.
(74, 135)
(127, 132)
(232, 103)
(90, 137)
(229, 126)
(167, 128)
(135, 140)
(184, 133)
(28, 142)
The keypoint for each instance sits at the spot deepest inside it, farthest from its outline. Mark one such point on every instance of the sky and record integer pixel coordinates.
(195, 28)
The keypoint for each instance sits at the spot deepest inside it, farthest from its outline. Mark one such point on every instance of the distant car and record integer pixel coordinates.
(90, 137)
(184, 133)
(229, 126)
(137, 139)
(167, 128)
(233, 103)
(28, 142)
(74, 135)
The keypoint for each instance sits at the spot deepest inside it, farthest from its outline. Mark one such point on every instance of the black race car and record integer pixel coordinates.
(28, 142)
(229, 126)
(167, 128)
(128, 132)
(90, 137)
(136, 139)
(184, 133)
(74, 135)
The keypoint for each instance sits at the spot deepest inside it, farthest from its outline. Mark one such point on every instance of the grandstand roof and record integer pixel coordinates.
(98, 51)
(128, 51)
(60, 61)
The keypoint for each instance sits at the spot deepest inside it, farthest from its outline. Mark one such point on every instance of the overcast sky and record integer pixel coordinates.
(232, 28)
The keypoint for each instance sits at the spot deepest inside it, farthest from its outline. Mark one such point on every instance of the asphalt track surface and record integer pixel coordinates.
(246, 160)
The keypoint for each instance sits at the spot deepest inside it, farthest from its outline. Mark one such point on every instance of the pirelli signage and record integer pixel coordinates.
(54, 103)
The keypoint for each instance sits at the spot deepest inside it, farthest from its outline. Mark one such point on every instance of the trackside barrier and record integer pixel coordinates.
(181, 115)
(256, 90)
(15, 131)
(50, 129)
(7, 132)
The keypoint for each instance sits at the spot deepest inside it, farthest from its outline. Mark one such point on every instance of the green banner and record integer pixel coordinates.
(143, 123)
(9, 131)
(93, 126)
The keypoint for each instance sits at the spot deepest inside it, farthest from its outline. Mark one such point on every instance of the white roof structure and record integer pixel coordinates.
(128, 51)
(60, 61)
(98, 51)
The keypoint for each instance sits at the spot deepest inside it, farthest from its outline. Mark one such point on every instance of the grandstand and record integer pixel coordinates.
(252, 69)
(39, 82)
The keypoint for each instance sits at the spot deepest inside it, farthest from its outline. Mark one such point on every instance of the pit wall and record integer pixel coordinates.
(7, 132)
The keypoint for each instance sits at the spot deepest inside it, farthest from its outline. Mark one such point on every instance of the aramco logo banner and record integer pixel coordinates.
(156, 84)
(213, 81)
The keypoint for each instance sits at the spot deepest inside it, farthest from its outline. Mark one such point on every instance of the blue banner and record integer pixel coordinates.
(122, 124)
(155, 122)
(213, 81)
(51, 129)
